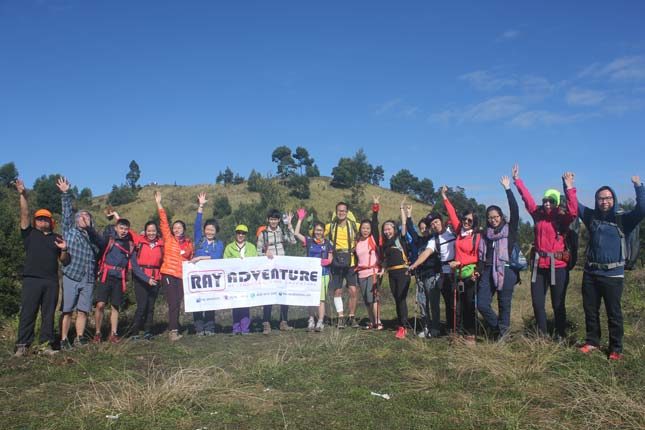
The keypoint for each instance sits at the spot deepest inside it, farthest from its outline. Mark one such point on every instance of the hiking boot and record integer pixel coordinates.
(65, 345)
(587, 348)
(615, 356)
(114, 338)
(311, 324)
(97, 338)
(341, 323)
(21, 350)
(266, 327)
(284, 326)
(353, 322)
(319, 326)
(174, 335)
(79, 342)
(401, 332)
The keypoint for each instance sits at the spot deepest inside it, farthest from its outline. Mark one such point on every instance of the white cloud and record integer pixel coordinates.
(582, 97)
(510, 34)
(387, 106)
(543, 117)
(629, 68)
(484, 80)
(492, 109)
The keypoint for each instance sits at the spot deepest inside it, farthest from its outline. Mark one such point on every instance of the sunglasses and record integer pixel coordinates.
(243, 233)
(467, 220)
(545, 201)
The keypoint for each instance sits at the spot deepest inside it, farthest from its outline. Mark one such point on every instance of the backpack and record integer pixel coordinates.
(571, 243)
(264, 232)
(517, 260)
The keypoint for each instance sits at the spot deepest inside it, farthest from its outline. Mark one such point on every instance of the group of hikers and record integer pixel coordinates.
(453, 257)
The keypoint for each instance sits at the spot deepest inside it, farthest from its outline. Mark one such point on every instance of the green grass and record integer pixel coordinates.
(299, 380)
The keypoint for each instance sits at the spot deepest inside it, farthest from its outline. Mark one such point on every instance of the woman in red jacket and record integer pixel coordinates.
(177, 249)
(551, 256)
(466, 245)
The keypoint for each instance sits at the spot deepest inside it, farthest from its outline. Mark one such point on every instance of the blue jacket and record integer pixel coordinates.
(116, 256)
(214, 250)
(604, 247)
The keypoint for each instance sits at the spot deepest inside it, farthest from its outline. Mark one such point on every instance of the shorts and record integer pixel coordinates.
(367, 290)
(324, 287)
(338, 275)
(77, 295)
(110, 291)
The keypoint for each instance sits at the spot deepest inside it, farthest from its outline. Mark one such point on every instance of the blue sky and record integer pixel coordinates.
(453, 91)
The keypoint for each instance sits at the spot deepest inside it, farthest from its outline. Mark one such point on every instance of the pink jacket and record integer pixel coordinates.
(551, 227)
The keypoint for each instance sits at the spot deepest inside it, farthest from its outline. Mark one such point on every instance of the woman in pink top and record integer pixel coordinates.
(551, 256)
(368, 267)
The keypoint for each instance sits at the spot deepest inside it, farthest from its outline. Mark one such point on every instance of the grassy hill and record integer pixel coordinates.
(324, 380)
(182, 201)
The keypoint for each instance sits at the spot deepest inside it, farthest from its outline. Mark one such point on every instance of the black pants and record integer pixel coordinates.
(594, 289)
(174, 297)
(466, 309)
(539, 289)
(448, 293)
(37, 293)
(266, 312)
(399, 285)
(146, 297)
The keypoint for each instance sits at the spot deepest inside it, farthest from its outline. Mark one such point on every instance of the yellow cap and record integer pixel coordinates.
(242, 227)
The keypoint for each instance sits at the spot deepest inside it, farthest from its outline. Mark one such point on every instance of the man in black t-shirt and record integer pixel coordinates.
(43, 250)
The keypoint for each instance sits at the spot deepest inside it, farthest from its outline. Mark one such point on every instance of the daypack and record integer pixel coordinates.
(571, 243)
(517, 260)
(262, 230)
(104, 268)
(629, 245)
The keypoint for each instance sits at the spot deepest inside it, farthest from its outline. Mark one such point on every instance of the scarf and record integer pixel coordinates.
(499, 238)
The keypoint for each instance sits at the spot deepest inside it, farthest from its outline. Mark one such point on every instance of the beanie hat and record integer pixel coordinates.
(552, 194)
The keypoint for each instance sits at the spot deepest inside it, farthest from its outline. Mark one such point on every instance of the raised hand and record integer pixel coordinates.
(302, 213)
(63, 184)
(201, 198)
(636, 180)
(288, 218)
(568, 178)
(444, 192)
(506, 182)
(376, 199)
(516, 171)
(20, 186)
(158, 198)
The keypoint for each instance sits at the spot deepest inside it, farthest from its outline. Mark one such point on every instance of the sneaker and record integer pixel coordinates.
(319, 326)
(401, 332)
(21, 350)
(174, 335)
(311, 324)
(79, 341)
(114, 338)
(615, 356)
(97, 338)
(266, 327)
(47, 349)
(209, 333)
(65, 345)
(341, 322)
(353, 322)
(423, 333)
(199, 333)
(284, 326)
(147, 336)
(587, 348)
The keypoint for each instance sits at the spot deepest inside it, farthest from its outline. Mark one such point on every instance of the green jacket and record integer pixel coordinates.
(233, 251)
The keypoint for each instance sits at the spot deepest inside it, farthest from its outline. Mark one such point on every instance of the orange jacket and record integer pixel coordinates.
(175, 251)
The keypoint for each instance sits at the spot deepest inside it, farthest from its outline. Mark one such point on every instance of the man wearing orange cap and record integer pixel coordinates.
(43, 250)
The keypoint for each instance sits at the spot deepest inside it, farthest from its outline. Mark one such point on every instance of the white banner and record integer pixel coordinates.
(252, 281)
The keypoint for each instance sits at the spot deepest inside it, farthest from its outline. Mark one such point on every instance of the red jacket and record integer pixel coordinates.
(550, 227)
(175, 251)
(149, 254)
(465, 249)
